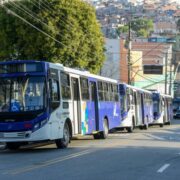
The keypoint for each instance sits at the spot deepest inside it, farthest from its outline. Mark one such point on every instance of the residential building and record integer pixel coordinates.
(111, 65)
(153, 68)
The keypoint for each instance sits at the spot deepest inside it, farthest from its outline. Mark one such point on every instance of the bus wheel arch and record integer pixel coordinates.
(63, 143)
(146, 125)
(68, 121)
(131, 128)
(105, 132)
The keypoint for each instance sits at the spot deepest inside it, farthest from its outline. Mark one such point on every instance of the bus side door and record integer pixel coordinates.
(76, 105)
(94, 104)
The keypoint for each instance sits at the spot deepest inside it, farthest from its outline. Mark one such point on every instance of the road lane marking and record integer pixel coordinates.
(48, 163)
(163, 168)
(154, 137)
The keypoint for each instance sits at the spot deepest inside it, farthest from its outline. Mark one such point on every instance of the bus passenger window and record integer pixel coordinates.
(100, 91)
(55, 90)
(54, 93)
(84, 89)
(65, 86)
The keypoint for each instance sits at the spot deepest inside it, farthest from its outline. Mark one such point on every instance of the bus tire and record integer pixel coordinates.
(146, 126)
(161, 125)
(130, 129)
(63, 143)
(13, 145)
(104, 133)
(96, 136)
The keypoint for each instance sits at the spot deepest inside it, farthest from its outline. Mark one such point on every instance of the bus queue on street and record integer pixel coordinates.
(42, 101)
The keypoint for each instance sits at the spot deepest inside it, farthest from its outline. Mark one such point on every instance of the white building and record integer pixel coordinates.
(111, 65)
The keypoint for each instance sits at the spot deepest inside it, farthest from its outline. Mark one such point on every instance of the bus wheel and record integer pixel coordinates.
(146, 126)
(161, 125)
(104, 133)
(130, 129)
(63, 143)
(13, 145)
(97, 136)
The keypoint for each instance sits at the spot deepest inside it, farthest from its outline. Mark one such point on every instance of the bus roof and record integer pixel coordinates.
(81, 72)
(136, 88)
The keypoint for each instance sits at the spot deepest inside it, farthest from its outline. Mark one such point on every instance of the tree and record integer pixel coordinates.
(142, 27)
(122, 29)
(70, 33)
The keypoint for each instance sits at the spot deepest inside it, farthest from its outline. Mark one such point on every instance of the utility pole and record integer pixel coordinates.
(170, 83)
(166, 59)
(129, 53)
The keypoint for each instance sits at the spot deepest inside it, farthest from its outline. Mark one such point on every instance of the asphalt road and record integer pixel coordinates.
(143, 155)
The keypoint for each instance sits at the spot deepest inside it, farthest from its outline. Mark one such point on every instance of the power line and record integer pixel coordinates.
(27, 22)
(49, 9)
(31, 14)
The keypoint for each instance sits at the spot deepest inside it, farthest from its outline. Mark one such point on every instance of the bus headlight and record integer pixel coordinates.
(43, 122)
(36, 126)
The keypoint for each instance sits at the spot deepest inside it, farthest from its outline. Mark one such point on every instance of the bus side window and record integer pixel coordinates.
(54, 93)
(100, 91)
(84, 89)
(65, 86)
(116, 94)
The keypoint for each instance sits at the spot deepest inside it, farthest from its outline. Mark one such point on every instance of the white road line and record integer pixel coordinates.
(155, 137)
(163, 168)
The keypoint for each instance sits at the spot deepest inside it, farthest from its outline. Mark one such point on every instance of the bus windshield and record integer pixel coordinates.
(22, 94)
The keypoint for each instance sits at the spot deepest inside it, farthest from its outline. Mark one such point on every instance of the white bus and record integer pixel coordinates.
(162, 109)
(41, 101)
(136, 107)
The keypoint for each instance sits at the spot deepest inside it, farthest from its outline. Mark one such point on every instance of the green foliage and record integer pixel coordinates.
(142, 33)
(79, 41)
(142, 26)
(123, 29)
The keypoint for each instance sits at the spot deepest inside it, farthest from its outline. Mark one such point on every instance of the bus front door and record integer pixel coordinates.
(76, 105)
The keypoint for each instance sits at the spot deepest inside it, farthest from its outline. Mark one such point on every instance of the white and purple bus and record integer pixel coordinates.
(162, 109)
(136, 107)
(41, 101)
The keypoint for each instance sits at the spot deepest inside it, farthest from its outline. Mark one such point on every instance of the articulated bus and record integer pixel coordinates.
(136, 107)
(162, 109)
(42, 101)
